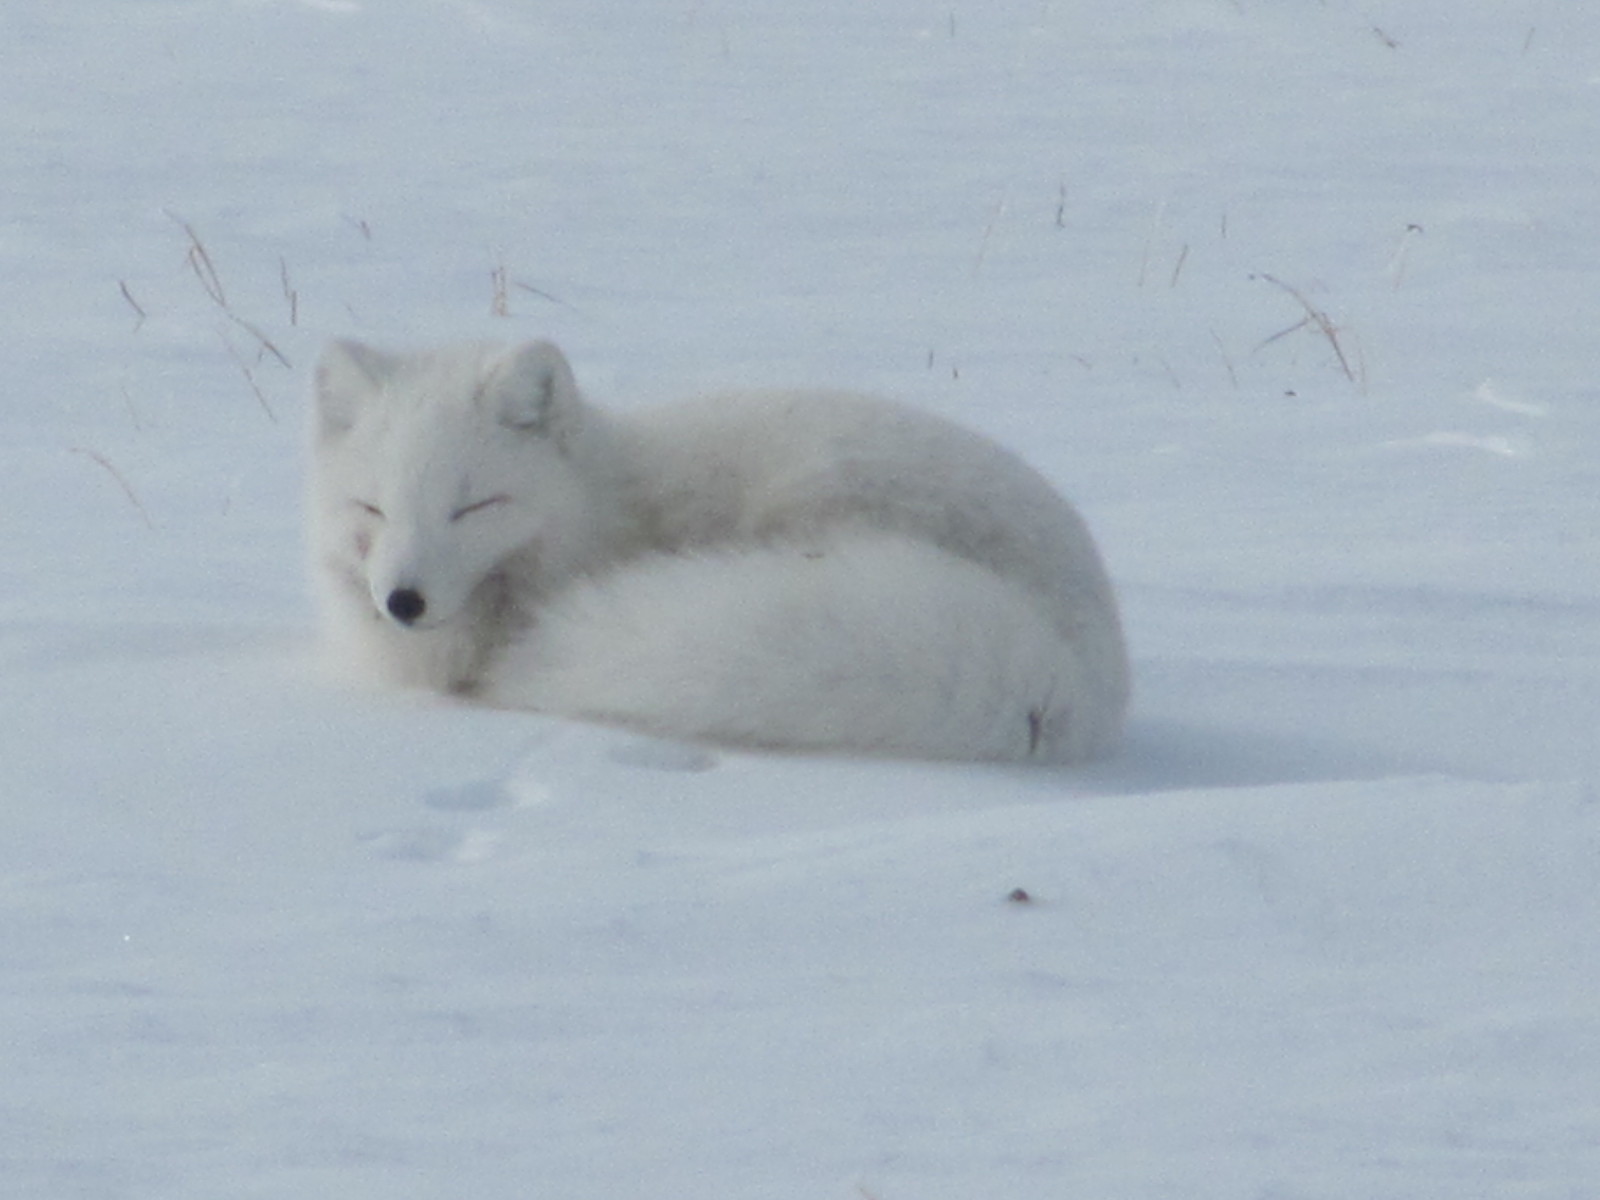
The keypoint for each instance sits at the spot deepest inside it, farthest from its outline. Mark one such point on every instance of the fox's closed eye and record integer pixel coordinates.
(479, 506)
(372, 510)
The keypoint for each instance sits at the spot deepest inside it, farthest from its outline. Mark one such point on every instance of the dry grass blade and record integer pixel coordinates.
(995, 218)
(1227, 360)
(205, 270)
(249, 377)
(499, 302)
(501, 284)
(105, 464)
(290, 296)
(1397, 263)
(539, 292)
(262, 339)
(1177, 268)
(1157, 221)
(122, 286)
(200, 263)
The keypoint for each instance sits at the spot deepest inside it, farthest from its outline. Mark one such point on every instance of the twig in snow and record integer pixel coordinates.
(1316, 319)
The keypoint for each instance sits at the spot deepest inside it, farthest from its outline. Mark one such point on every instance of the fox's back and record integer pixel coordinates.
(794, 464)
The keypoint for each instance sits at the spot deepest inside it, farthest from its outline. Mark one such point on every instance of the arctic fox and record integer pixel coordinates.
(813, 571)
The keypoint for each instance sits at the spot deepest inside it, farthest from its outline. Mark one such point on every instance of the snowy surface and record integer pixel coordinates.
(1330, 926)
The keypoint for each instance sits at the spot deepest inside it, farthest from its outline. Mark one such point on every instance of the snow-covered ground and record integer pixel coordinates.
(1298, 300)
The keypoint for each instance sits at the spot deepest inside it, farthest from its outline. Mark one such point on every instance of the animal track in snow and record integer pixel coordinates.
(562, 766)
(1504, 446)
(478, 795)
(543, 773)
(660, 755)
(435, 845)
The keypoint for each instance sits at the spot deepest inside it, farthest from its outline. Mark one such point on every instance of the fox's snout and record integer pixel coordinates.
(406, 605)
(419, 592)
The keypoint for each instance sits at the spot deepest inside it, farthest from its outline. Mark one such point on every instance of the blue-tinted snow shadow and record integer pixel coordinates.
(1161, 754)
(1237, 725)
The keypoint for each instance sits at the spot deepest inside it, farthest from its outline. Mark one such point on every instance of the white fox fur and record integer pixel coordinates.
(799, 570)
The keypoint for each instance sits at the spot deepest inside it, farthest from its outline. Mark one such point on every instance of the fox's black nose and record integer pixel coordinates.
(406, 605)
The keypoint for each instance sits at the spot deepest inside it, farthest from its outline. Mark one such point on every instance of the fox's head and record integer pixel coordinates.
(431, 472)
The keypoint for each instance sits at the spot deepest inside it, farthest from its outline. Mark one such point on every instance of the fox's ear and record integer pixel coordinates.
(531, 388)
(348, 373)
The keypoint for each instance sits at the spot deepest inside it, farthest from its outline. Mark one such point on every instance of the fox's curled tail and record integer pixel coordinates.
(868, 642)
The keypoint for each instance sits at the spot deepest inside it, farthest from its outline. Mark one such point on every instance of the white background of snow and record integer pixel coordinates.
(1328, 928)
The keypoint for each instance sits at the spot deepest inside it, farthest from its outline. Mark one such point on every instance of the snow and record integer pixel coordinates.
(1330, 925)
